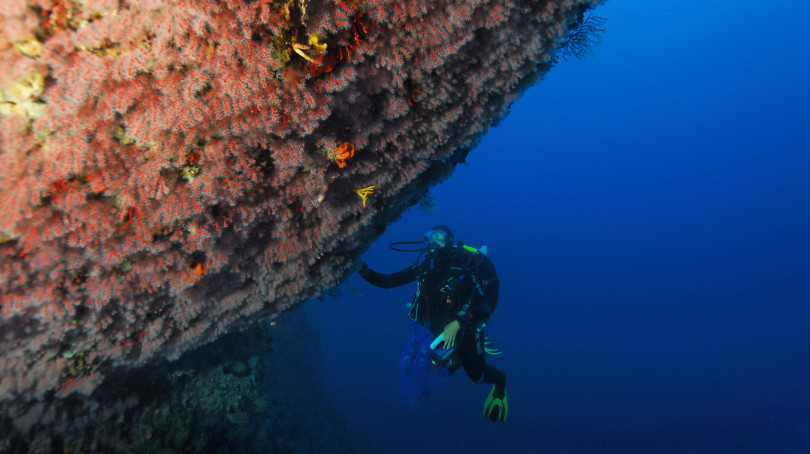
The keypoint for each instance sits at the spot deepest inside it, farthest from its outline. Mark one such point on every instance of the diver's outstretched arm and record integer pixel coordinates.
(383, 280)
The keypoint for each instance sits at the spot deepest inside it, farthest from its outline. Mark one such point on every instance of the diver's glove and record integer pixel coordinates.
(363, 271)
(496, 406)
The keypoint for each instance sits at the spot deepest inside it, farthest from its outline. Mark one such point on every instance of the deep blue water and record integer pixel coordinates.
(648, 210)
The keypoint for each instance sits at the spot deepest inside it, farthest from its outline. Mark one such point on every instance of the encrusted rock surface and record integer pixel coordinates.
(170, 170)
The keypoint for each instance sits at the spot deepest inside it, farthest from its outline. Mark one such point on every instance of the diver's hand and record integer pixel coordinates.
(363, 271)
(450, 333)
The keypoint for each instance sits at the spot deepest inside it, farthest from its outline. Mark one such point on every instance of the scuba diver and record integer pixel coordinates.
(456, 291)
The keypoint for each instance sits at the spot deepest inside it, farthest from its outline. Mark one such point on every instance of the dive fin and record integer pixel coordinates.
(496, 406)
(489, 348)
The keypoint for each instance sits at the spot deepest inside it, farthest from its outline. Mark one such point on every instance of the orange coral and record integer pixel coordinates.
(344, 152)
(199, 269)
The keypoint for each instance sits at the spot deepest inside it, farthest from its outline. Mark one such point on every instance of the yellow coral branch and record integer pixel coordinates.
(316, 44)
(299, 49)
(364, 192)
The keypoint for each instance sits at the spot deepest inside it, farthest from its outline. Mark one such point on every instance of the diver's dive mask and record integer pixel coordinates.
(436, 239)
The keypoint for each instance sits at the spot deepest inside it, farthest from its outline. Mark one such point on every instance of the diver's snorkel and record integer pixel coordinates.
(481, 250)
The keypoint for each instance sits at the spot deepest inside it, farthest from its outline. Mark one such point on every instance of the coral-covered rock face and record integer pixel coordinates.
(171, 169)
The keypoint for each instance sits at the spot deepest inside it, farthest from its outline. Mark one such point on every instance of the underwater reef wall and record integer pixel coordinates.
(172, 170)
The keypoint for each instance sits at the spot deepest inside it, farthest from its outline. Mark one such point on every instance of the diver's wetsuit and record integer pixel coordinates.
(446, 289)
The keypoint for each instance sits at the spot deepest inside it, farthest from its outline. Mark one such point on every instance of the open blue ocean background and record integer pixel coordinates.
(648, 210)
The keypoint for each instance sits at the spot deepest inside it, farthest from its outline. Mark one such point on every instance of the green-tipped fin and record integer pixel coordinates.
(496, 406)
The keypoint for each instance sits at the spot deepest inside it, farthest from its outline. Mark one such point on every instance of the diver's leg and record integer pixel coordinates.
(494, 375)
(473, 358)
